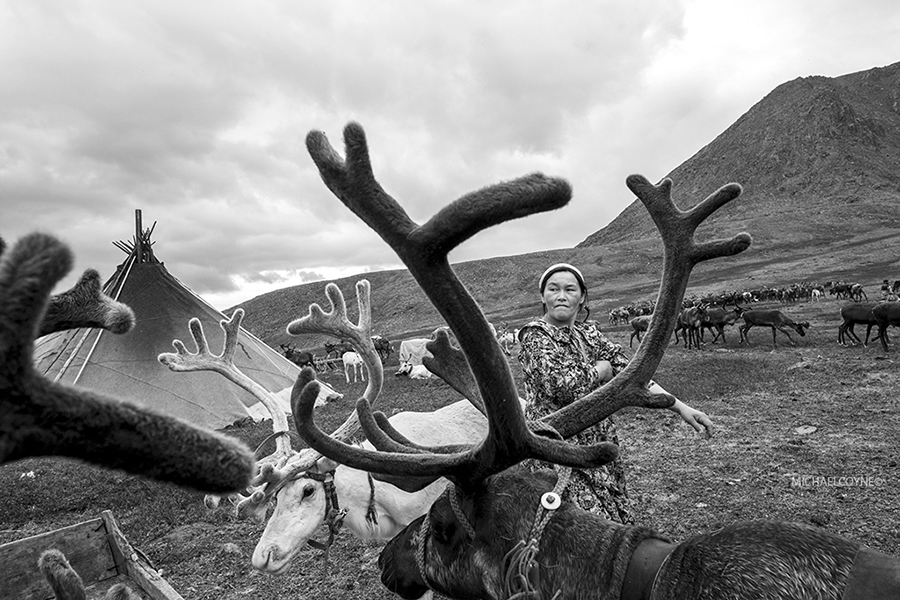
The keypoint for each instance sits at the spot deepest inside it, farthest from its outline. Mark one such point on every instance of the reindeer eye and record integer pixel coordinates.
(308, 491)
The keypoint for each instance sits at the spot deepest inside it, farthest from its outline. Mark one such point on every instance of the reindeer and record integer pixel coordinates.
(639, 325)
(353, 363)
(504, 532)
(718, 318)
(852, 314)
(308, 490)
(774, 319)
(382, 347)
(39, 417)
(886, 314)
(689, 322)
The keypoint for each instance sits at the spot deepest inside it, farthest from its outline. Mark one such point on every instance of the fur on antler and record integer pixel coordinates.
(85, 305)
(42, 418)
(424, 249)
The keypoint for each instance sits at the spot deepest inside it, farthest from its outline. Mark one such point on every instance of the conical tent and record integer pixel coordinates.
(126, 366)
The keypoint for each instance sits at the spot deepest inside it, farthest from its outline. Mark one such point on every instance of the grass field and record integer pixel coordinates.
(804, 433)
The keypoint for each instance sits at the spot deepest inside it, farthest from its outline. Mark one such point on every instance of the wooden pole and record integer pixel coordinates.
(138, 236)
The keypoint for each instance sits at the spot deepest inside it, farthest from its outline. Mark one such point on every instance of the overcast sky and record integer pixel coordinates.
(196, 113)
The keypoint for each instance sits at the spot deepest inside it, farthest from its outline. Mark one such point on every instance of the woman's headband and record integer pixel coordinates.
(562, 267)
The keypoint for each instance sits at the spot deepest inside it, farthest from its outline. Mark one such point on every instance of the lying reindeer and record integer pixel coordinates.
(774, 319)
(501, 532)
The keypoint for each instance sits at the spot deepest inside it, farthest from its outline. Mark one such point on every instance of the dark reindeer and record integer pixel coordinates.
(774, 319)
(301, 358)
(717, 318)
(886, 314)
(639, 325)
(497, 533)
(688, 323)
(852, 314)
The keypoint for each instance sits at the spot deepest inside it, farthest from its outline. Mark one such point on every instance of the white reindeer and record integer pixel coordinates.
(413, 371)
(354, 362)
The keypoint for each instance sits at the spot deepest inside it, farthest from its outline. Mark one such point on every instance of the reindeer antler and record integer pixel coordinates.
(183, 361)
(41, 418)
(424, 250)
(285, 463)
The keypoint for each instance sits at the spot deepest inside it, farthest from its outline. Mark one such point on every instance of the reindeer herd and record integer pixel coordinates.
(446, 488)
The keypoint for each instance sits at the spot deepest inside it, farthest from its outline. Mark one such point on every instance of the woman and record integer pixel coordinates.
(563, 359)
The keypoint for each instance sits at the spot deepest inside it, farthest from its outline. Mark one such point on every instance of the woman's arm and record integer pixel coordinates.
(693, 417)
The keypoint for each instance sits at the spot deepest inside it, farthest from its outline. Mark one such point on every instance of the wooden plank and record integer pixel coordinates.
(136, 566)
(85, 545)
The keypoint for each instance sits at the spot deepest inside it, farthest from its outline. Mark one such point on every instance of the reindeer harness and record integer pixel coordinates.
(522, 575)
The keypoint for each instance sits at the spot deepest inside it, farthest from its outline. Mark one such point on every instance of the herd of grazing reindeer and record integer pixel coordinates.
(693, 321)
(478, 525)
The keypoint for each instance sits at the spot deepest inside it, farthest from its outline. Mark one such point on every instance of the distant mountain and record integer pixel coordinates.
(819, 162)
(818, 158)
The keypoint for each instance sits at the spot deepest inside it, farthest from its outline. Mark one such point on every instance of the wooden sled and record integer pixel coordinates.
(96, 549)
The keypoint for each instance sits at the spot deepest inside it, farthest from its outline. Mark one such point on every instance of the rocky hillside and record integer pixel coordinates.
(819, 162)
(818, 158)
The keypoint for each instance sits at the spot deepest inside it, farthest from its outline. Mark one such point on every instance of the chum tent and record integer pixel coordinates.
(125, 366)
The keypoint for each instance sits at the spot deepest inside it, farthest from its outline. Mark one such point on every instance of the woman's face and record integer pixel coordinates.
(563, 298)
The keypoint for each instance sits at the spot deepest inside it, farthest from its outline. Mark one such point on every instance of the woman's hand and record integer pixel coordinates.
(695, 418)
(604, 370)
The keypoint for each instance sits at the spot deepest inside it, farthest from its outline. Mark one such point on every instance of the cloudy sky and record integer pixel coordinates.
(196, 113)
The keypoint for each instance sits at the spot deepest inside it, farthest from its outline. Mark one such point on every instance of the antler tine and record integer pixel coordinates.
(85, 305)
(336, 323)
(681, 253)
(183, 361)
(450, 364)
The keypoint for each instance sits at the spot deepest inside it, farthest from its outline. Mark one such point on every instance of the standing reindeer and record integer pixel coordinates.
(500, 532)
(774, 319)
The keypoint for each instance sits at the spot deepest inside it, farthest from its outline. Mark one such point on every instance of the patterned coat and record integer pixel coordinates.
(558, 364)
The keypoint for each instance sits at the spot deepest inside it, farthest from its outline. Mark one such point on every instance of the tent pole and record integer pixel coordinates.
(138, 235)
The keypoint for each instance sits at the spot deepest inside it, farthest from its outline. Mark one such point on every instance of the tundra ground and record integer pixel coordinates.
(803, 433)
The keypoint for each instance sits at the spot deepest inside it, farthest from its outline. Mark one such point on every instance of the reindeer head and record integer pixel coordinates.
(458, 568)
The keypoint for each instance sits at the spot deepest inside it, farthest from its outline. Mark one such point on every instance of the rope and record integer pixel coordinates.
(453, 495)
(420, 548)
(334, 515)
(371, 513)
(521, 560)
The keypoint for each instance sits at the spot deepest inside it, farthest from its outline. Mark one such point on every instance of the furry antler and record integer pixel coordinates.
(42, 418)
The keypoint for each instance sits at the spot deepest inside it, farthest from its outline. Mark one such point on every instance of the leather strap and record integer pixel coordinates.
(645, 562)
